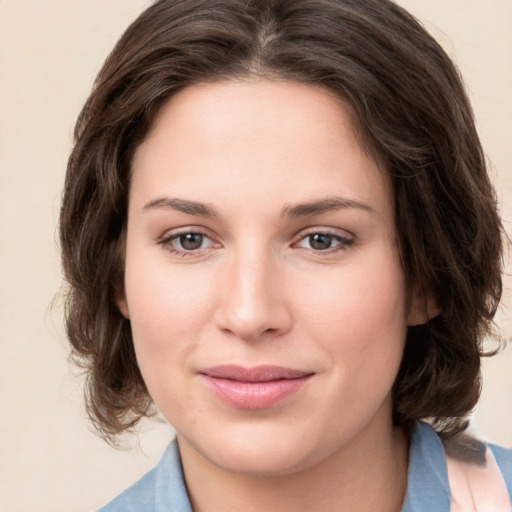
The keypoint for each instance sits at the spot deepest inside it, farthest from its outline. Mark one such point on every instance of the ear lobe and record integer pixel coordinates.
(423, 307)
(122, 304)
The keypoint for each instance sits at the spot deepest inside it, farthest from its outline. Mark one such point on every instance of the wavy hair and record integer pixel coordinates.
(410, 111)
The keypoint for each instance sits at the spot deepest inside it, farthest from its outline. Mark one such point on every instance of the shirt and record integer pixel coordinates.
(163, 488)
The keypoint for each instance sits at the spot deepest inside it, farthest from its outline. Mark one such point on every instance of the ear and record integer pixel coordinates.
(423, 307)
(122, 304)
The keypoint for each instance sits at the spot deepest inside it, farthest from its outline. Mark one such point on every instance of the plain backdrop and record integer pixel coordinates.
(50, 52)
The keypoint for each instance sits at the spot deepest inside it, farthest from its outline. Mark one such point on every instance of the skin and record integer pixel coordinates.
(255, 291)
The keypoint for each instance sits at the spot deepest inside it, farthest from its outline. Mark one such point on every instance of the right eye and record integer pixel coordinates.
(187, 243)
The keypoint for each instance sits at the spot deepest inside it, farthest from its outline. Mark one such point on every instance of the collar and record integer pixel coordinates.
(427, 478)
(427, 488)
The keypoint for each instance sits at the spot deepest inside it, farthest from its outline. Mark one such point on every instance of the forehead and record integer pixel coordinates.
(256, 106)
(276, 141)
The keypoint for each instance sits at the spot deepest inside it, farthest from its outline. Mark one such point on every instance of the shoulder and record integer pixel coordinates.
(139, 496)
(486, 461)
(160, 490)
(503, 458)
(432, 483)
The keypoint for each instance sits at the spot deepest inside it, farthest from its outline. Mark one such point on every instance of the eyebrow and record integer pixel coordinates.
(308, 209)
(182, 205)
(325, 205)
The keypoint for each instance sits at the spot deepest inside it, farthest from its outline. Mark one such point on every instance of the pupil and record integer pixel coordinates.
(320, 241)
(191, 241)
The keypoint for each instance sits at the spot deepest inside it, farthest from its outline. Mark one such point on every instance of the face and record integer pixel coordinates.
(263, 282)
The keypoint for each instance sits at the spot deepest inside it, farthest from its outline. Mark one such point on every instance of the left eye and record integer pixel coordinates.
(322, 241)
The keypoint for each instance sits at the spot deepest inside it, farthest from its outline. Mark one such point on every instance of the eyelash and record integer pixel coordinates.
(166, 242)
(343, 242)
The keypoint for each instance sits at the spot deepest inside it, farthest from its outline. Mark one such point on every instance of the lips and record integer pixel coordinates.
(259, 387)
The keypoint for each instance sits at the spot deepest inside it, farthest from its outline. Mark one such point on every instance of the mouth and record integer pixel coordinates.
(259, 387)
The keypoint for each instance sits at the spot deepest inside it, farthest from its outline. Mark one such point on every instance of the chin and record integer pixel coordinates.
(260, 451)
(262, 462)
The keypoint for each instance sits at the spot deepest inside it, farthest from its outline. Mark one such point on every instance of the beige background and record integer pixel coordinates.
(49, 53)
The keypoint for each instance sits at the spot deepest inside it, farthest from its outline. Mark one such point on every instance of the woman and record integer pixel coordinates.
(278, 229)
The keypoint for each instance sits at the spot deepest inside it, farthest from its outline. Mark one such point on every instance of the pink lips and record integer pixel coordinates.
(259, 387)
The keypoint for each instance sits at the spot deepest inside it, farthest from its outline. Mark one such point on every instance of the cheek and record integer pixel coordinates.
(358, 314)
(360, 323)
(168, 310)
(168, 314)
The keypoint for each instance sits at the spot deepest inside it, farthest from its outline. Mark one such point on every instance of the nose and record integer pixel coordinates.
(253, 301)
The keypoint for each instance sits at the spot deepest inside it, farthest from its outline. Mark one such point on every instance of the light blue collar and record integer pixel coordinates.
(163, 488)
(427, 486)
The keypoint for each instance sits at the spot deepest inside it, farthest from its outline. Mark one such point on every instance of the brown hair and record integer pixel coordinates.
(411, 112)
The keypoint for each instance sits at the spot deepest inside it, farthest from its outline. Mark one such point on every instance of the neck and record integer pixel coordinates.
(369, 475)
